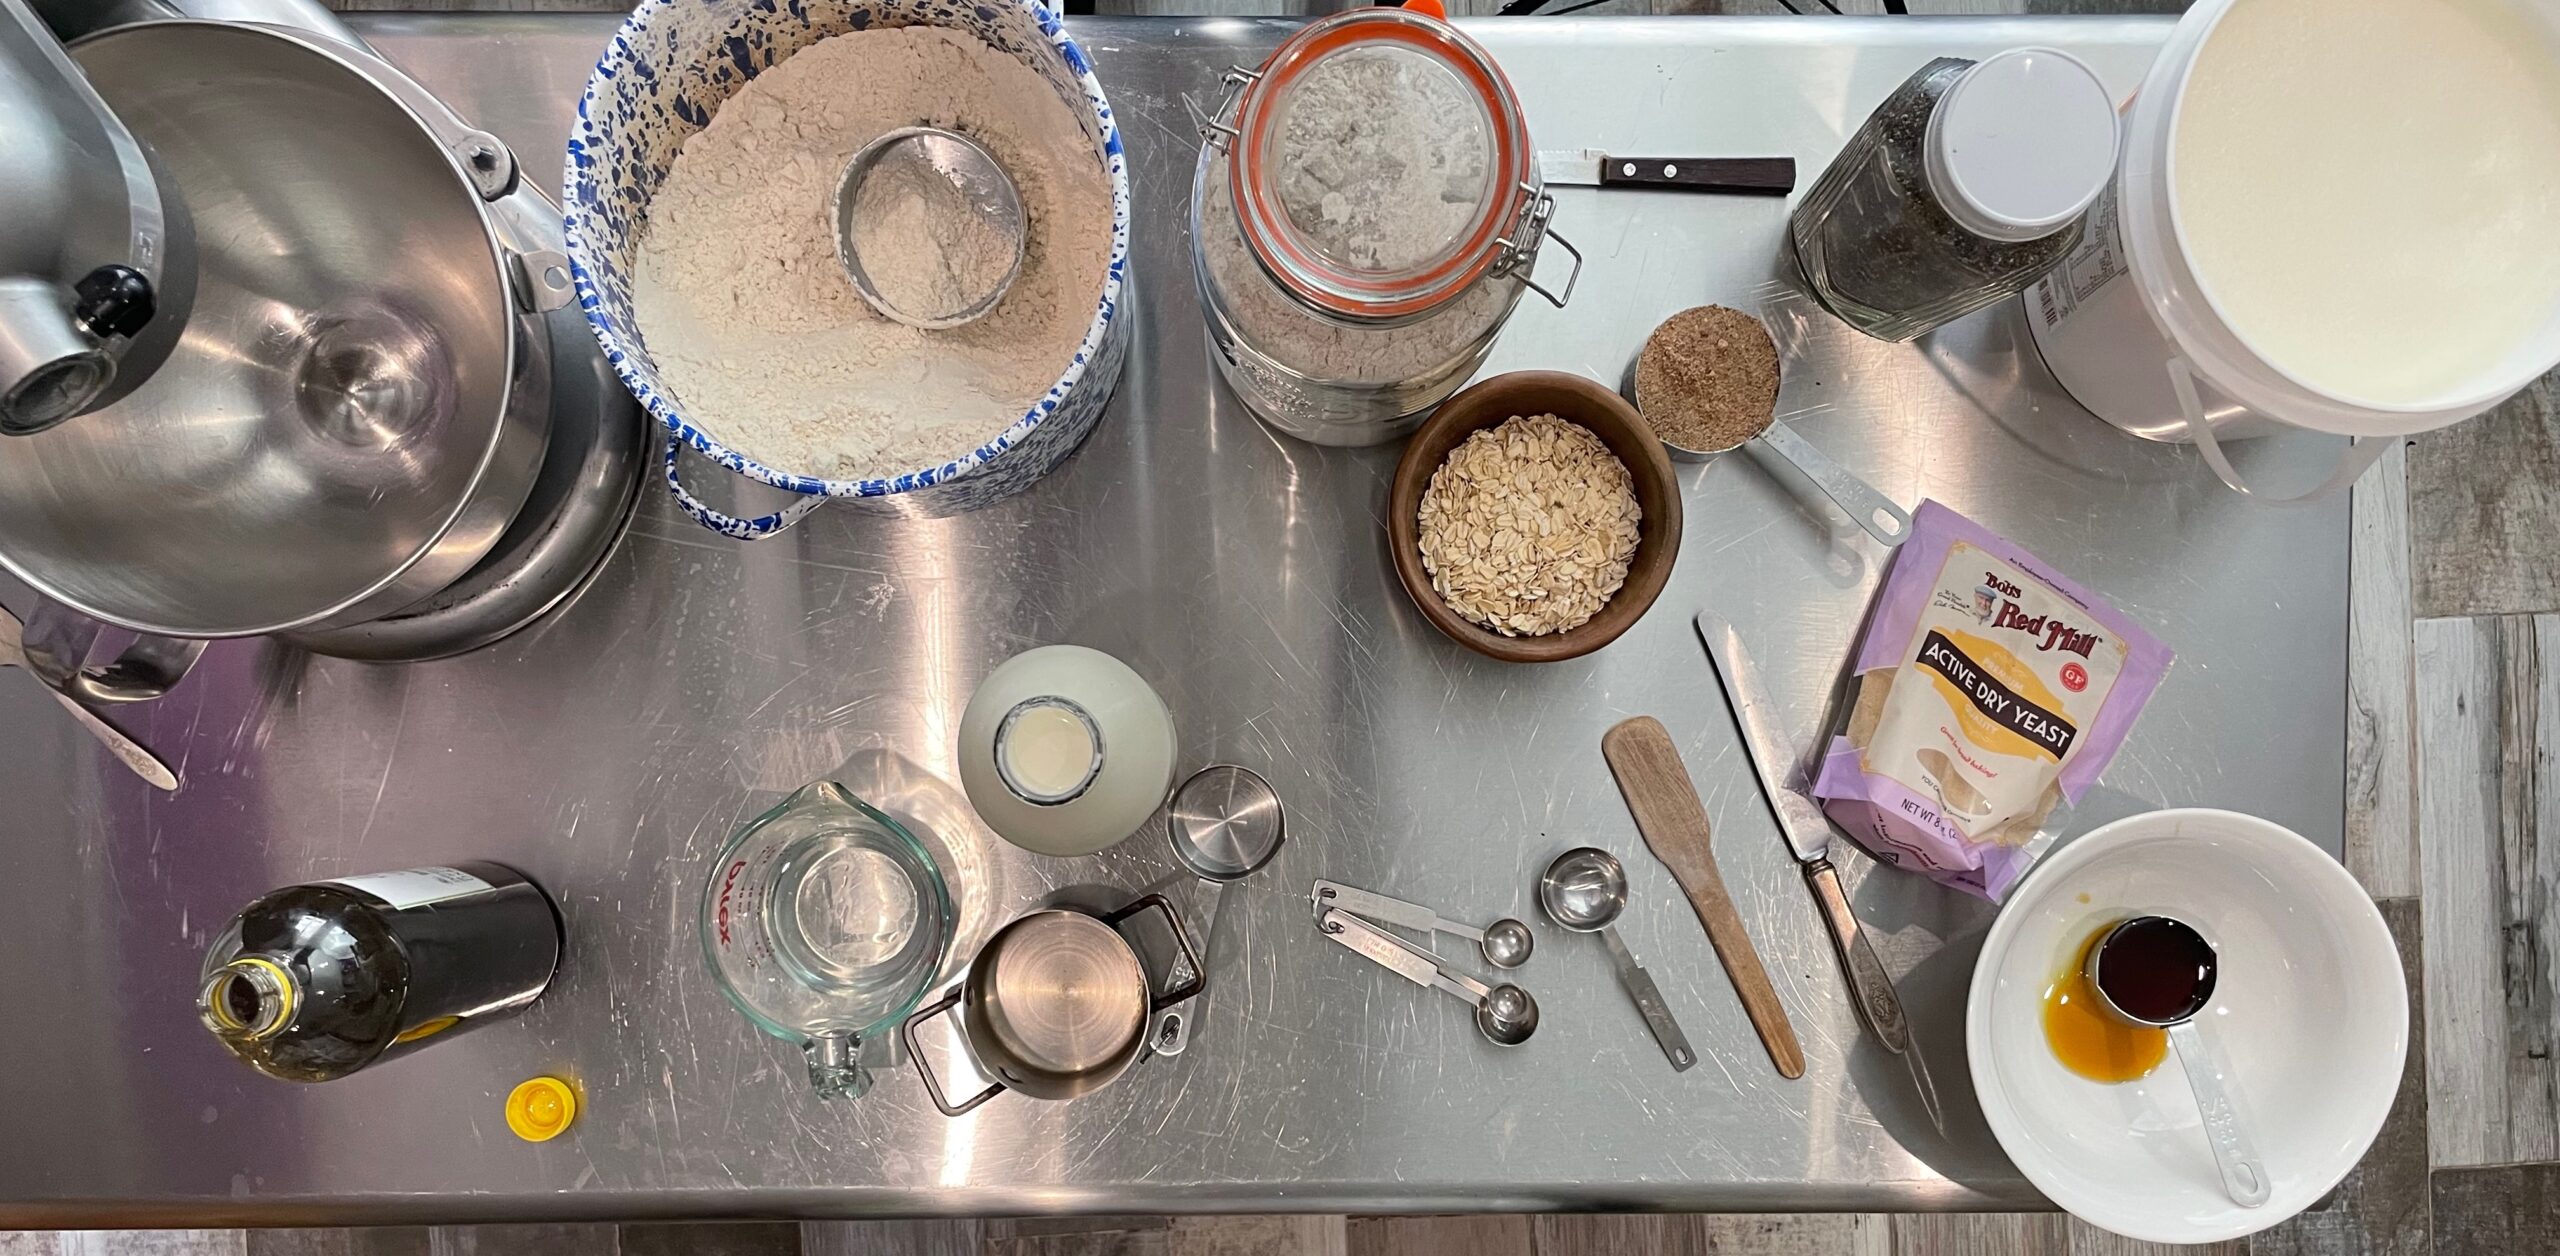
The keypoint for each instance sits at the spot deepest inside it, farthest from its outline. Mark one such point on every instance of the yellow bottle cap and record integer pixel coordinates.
(540, 1107)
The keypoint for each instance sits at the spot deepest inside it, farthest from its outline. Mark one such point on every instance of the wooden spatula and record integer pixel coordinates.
(1674, 823)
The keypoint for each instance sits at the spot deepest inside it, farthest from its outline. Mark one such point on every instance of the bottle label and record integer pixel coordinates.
(2097, 261)
(415, 887)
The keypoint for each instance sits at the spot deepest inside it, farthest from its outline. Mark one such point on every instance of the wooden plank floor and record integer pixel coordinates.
(2488, 717)
(2484, 499)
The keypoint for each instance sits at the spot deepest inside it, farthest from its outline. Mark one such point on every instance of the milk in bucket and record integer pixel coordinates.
(2334, 215)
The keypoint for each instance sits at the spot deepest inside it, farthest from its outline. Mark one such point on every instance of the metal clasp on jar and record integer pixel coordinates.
(1519, 255)
(1218, 126)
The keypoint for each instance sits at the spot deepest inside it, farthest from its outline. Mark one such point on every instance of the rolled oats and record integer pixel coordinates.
(1528, 527)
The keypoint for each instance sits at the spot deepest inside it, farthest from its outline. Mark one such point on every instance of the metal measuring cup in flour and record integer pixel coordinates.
(928, 226)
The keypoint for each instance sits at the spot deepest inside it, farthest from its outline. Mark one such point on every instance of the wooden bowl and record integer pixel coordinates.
(1602, 412)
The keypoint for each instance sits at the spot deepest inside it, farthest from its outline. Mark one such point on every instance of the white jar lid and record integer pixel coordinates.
(2021, 144)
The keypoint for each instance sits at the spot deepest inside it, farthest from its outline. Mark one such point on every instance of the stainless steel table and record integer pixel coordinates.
(610, 751)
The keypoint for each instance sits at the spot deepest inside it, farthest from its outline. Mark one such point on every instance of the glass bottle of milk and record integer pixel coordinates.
(1967, 183)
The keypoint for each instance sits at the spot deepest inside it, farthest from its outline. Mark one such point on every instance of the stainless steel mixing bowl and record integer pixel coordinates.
(361, 399)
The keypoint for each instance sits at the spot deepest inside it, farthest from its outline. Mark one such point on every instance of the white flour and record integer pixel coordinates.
(752, 322)
(1382, 158)
(929, 252)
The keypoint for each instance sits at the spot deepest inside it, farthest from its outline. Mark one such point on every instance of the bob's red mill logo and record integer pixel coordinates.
(2054, 633)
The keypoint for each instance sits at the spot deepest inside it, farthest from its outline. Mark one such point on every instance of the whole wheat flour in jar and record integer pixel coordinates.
(1330, 349)
(750, 318)
(1382, 158)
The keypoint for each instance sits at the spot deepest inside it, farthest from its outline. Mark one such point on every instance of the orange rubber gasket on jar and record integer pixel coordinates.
(1406, 295)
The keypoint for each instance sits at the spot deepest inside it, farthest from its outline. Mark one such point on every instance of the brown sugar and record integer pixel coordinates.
(1707, 378)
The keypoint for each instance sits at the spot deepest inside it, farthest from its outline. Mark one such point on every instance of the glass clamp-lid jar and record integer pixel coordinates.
(1967, 184)
(1365, 214)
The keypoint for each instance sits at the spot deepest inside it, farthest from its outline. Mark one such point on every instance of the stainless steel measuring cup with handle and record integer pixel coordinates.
(1056, 1004)
(2160, 972)
(1224, 823)
(1888, 523)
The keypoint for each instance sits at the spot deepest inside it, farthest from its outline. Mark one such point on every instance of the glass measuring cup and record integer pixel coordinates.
(824, 921)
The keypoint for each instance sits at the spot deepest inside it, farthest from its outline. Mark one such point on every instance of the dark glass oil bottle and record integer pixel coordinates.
(313, 982)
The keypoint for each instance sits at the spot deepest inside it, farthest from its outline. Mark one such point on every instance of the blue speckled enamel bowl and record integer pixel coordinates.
(672, 64)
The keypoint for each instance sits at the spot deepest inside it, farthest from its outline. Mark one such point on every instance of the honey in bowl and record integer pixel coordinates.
(2089, 1040)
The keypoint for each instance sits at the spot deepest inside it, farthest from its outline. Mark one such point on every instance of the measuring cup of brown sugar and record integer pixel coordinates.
(1707, 382)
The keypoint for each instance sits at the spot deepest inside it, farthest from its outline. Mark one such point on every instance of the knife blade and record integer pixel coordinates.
(1808, 835)
(126, 750)
(1739, 176)
(1807, 831)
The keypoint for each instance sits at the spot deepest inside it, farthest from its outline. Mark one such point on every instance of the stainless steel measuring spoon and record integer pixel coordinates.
(2159, 971)
(1506, 943)
(1505, 1014)
(1584, 890)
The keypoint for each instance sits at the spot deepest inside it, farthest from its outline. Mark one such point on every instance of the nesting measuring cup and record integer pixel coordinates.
(1056, 1004)
(973, 216)
(1888, 523)
(2159, 972)
(1224, 822)
(824, 921)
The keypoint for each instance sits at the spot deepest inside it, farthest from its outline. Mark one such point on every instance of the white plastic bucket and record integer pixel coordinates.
(2137, 337)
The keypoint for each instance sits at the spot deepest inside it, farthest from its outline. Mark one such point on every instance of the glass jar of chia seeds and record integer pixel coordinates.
(1365, 215)
(1966, 185)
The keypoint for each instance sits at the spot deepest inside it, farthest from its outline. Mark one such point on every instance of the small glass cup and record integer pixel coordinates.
(825, 921)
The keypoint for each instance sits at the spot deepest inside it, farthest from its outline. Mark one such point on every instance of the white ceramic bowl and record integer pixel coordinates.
(2310, 1010)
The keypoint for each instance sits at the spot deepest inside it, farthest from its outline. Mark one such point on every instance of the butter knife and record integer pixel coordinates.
(1736, 176)
(126, 750)
(1808, 834)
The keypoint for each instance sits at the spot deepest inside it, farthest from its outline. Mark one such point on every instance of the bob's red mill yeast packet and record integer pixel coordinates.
(1990, 689)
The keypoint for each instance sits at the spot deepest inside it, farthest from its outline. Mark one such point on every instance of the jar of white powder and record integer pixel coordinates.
(1364, 217)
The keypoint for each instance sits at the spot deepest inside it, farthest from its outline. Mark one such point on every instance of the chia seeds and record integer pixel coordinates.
(1877, 247)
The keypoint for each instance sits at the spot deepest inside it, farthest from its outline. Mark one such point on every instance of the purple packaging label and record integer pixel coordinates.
(2010, 687)
(1907, 831)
